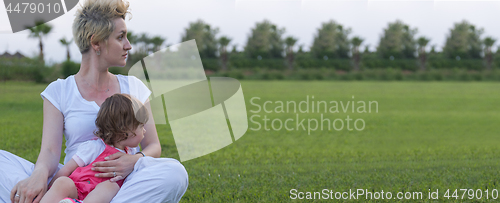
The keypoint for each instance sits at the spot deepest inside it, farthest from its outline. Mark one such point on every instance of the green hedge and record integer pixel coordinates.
(22, 69)
(69, 68)
(338, 64)
(388, 74)
(403, 64)
(305, 68)
(347, 64)
(469, 64)
(368, 61)
(276, 64)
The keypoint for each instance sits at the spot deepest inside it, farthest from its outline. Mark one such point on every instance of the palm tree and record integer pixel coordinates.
(488, 54)
(66, 43)
(356, 56)
(235, 49)
(146, 40)
(157, 41)
(367, 49)
(224, 42)
(422, 43)
(39, 31)
(290, 42)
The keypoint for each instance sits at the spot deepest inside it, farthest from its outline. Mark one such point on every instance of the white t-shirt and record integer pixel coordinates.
(89, 151)
(80, 114)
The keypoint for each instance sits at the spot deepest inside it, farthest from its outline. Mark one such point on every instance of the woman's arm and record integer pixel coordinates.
(123, 164)
(48, 159)
(150, 144)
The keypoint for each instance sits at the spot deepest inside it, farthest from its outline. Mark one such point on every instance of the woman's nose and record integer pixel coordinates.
(127, 46)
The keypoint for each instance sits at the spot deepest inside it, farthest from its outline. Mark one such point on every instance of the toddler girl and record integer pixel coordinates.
(120, 128)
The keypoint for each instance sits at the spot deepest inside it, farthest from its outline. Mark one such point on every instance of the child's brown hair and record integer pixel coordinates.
(119, 114)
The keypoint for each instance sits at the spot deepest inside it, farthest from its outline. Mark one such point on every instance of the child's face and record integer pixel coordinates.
(133, 141)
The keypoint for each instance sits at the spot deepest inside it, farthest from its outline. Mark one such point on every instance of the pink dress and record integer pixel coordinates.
(84, 178)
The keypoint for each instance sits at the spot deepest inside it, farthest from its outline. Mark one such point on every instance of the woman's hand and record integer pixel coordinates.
(33, 188)
(30, 189)
(119, 164)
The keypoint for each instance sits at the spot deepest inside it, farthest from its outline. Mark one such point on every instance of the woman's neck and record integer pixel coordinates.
(94, 73)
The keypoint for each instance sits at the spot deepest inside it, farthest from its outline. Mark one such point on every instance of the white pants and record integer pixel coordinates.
(153, 179)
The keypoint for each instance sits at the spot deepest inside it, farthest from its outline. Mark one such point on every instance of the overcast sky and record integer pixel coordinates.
(300, 18)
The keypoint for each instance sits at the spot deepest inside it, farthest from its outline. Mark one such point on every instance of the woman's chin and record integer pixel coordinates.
(120, 64)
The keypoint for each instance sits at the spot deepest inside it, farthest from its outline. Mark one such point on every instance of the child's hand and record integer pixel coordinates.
(117, 167)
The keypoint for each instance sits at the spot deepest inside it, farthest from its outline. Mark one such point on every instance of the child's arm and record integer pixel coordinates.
(66, 170)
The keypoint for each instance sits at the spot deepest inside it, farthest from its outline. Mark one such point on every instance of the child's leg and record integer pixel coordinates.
(103, 192)
(61, 188)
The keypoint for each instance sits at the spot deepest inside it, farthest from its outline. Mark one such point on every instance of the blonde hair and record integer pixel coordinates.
(95, 17)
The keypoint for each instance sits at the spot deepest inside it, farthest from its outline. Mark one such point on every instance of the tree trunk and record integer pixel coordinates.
(223, 56)
(224, 61)
(356, 58)
(290, 57)
(489, 60)
(68, 57)
(423, 59)
(41, 49)
(356, 62)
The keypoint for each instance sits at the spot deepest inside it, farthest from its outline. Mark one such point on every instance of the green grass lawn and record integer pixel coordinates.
(426, 135)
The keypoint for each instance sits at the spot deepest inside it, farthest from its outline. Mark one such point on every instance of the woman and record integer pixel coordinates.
(70, 106)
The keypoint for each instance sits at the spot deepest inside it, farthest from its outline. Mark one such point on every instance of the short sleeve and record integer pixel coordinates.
(88, 152)
(132, 150)
(138, 89)
(53, 93)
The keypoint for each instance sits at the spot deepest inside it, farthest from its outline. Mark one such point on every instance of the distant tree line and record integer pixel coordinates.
(334, 47)
(268, 47)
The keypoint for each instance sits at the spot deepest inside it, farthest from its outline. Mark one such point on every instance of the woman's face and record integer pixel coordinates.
(114, 50)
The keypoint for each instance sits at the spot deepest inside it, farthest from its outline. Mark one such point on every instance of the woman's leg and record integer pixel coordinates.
(63, 187)
(103, 192)
(12, 170)
(154, 180)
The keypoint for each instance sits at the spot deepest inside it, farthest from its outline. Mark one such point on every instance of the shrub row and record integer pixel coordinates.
(22, 69)
(33, 70)
(368, 74)
(347, 64)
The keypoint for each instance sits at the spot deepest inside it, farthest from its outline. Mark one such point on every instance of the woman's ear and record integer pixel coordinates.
(95, 45)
